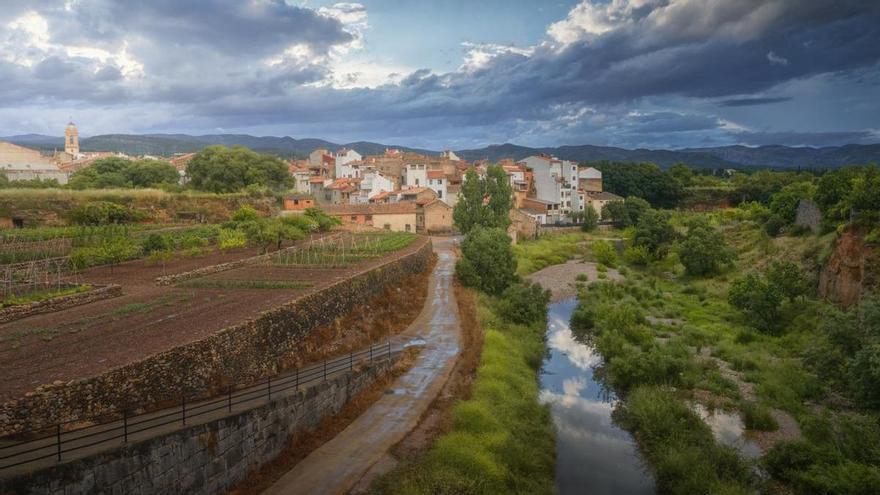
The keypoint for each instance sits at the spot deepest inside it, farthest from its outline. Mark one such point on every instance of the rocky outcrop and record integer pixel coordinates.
(851, 270)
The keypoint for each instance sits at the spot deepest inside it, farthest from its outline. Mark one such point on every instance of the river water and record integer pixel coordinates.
(593, 455)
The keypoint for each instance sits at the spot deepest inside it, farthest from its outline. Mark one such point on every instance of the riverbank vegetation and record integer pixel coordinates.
(501, 439)
(724, 313)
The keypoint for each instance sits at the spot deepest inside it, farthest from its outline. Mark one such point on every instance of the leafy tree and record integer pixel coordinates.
(324, 221)
(487, 260)
(116, 172)
(221, 170)
(704, 250)
(785, 202)
(644, 180)
(524, 303)
(102, 213)
(625, 213)
(245, 213)
(761, 186)
(655, 233)
(788, 278)
(683, 174)
(483, 202)
(757, 297)
(591, 219)
(637, 255)
(155, 242)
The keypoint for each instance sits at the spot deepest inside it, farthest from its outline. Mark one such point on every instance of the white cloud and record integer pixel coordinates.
(479, 55)
(775, 59)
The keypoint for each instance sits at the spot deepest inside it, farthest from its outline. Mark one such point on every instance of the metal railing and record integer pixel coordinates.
(58, 442)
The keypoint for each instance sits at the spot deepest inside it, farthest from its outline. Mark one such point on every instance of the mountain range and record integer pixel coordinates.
(775, 156)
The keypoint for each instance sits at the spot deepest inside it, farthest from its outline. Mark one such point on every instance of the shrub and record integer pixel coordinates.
(524, 303)
(655, 233)
(487, 261)
(245, 214)
(637, 255)
(324, 221)
(788, 278)
(757, 297)
(102, 213)
(704, 250)
(604, 253)
(774, 225)
(155, 242)
(758, 417)
(591, 219)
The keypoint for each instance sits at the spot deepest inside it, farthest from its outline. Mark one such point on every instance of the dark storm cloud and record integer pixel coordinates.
(748, 102)
(209, 60)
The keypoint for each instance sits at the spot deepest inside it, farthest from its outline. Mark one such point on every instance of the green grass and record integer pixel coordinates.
(243, 284)
(549, 250)
(684, 455)
(42, 295)
(502, 439)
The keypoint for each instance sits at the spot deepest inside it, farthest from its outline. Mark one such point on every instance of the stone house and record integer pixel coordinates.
(397, 217)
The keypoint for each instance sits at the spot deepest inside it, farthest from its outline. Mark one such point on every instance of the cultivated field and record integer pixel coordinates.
(87, 340)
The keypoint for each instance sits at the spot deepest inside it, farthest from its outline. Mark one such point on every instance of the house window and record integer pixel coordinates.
(408, 228)
(18, 223)
(387, 226)
(369, 218)
(354, 218)
(440, 194)
(417, 181)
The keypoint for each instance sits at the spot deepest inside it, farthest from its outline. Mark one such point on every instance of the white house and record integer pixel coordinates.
(436, 181)
(415, 175)
(556, 182)
(590, 179)
(373, 183)
(344, 161)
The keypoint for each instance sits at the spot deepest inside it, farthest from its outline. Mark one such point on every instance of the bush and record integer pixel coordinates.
(774, 225)
(102, 213)
(637, 255)
(245, 214)
(591, 219)
(155, 242)
(757, 297)
(704, 250)
(487, 261)
(524, 303)
(604, 253)
(655, 233)
(324, 221)
(788, 278)
(757, 417)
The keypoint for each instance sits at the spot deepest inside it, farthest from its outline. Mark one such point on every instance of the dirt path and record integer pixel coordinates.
(361, 452)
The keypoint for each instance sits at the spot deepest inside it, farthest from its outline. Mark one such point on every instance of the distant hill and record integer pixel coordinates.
(719, 157)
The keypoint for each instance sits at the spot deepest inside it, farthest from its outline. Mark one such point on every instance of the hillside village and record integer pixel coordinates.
(397, 190)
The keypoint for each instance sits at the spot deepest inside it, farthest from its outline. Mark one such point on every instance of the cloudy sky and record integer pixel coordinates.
(449, 73)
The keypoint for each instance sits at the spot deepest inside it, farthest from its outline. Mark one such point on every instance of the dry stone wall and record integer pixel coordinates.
(242, 353)
(98, 293)
(204, 459)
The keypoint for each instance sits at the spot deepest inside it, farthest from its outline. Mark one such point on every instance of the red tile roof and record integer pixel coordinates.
(436, 174)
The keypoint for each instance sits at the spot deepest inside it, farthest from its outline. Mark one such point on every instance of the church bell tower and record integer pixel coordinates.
(71, 140)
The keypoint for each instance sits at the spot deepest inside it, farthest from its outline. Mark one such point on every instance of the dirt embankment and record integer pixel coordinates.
(852, 270)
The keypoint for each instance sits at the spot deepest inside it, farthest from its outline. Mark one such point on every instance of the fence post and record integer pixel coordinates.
(371, 353)
(389, 348)
(269, 387)
(183, 408)
(296, 387)
(325, 369)
(58, 441)
(350, 361)
(125, 425)
(229, 397)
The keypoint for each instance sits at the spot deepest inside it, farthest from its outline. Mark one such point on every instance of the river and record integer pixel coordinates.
(593, 455)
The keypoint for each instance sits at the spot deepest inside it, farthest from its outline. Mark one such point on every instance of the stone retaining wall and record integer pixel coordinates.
(203, 459)
(98, 293)
(242, 353)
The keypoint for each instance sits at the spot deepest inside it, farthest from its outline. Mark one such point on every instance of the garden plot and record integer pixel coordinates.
(86, 340)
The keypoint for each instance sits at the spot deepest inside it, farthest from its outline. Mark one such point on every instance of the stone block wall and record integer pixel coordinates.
(203, 459)
(242, 353)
